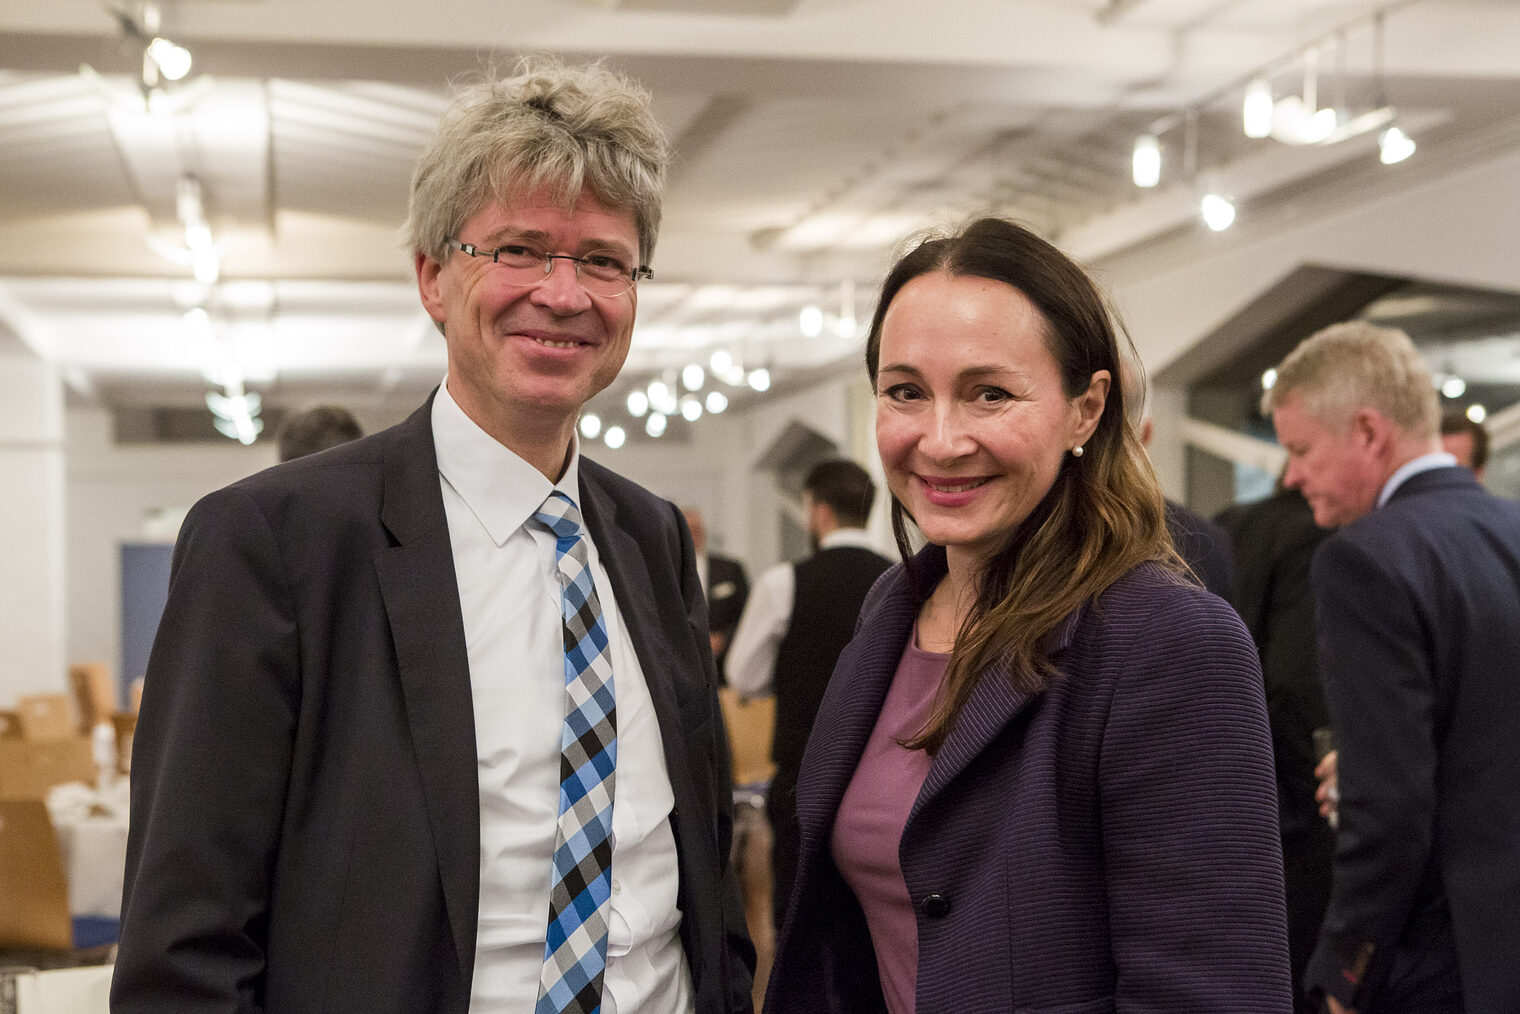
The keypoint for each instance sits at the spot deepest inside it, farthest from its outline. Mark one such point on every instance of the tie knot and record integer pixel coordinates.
(560, 515)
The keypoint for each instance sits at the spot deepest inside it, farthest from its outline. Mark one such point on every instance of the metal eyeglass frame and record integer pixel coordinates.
(634, 275)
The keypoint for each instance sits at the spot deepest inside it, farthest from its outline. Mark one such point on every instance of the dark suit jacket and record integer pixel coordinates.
(1418, 605)
(727, 591)
(1107, 845)
(305, 815)
(1274, 541)
(1205, 547)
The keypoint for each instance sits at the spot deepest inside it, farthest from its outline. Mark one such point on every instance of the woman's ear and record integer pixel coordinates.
(1088, 407)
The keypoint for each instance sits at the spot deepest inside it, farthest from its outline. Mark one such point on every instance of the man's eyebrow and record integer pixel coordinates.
(540, 238)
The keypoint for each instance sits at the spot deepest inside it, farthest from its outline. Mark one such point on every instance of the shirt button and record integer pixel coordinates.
(617, 885)
(935, 906)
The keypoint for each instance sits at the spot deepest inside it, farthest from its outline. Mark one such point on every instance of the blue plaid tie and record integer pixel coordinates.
(575, 954)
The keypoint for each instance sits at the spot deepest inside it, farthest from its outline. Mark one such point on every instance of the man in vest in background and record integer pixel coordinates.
(798, 619)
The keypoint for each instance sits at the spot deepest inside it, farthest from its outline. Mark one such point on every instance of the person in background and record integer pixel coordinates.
(316, 429)
(1274, 541)
(1041, 777)
(431, 721)
(1465, 440)
(1203, 545)
(800, 618)
(726, 585)
(1417, 604)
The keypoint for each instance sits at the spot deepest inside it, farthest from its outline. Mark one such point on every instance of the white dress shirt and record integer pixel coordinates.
(1414, 466)
(510, 598)
(751, 663)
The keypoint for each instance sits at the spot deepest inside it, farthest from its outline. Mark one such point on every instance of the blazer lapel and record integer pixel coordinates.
(421, 595)
(992, 706)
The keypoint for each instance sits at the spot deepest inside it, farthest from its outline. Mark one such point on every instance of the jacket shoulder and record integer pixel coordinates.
(1155, 610)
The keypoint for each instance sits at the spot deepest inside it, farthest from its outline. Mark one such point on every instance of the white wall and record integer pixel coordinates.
(31, 539)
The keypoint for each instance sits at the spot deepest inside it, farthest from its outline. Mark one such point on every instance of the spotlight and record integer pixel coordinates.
(1256, 113)
(638, 404)
(1269, 379)
(655, 424)
(717, 402)
(173, 61)
(1394, 145)
(810, 321)
(721, 362)
(1146, 164)
(1218, 212)
(693, 377)
(1453, 387)
(615, 437)
(591, 425)
(691, 409)
(760, 379)
(1477, 413)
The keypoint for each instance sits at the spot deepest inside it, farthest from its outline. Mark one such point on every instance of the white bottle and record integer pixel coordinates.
(103, 750)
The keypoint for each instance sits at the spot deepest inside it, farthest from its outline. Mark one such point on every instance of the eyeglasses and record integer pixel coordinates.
(600, 274)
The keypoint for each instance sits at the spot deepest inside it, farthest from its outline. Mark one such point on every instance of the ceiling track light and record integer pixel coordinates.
(1394, 145)
(1218, 211)
(1145, 163)
(1256, 111)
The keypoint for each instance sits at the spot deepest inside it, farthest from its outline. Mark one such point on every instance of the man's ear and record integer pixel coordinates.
(1370, 429)
(430, 287)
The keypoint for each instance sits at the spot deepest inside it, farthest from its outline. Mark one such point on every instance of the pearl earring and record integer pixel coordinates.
(1076, 452)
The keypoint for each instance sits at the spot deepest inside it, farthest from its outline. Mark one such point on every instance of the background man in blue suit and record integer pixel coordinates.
(1418, 610)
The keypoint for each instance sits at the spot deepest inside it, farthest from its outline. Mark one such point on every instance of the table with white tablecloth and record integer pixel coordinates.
(92, 836)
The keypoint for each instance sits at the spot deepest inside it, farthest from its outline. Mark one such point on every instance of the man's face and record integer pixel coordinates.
(523, 359)
(1334, 466)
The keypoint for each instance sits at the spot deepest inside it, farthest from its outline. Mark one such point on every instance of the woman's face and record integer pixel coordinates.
(971, 421)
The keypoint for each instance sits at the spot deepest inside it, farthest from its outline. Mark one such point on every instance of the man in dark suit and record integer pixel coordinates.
(1203, 545)
(801, 617)
(382, 670)
(1274, 541)
(1418, 612)
(725, 584)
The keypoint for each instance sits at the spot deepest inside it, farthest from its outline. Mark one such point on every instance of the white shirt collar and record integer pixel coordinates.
(846, 537)
(1414, 466)
(501, 489)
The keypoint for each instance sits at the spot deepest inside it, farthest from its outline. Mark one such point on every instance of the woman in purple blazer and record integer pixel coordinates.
(1042, 778)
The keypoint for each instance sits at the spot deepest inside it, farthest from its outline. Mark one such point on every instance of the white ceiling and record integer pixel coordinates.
(812, 135)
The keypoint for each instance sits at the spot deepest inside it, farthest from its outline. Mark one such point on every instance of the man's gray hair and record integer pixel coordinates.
(1355, 365)
(552, 125)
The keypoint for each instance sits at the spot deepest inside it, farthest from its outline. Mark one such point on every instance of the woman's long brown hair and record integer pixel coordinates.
(1103, 516)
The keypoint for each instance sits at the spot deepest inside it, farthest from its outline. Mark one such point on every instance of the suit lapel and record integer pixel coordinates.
(624, 559)
(421, 595)
(994, 704)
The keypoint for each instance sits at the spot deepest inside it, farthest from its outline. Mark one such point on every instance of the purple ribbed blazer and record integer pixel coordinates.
(1108, 845)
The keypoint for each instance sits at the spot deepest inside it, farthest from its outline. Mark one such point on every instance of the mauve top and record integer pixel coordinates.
(873, 813)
